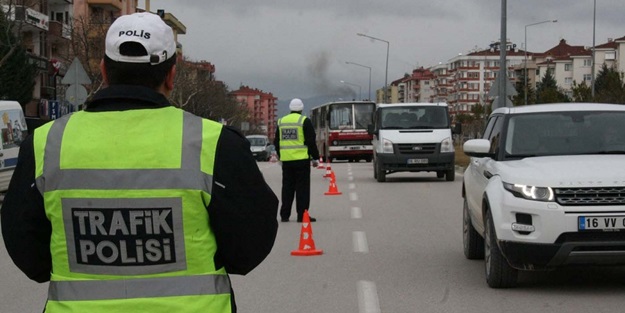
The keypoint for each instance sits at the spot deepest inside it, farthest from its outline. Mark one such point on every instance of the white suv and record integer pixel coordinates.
(545, 187)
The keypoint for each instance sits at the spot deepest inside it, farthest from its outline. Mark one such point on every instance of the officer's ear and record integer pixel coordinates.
(105, 78)
(169, 79)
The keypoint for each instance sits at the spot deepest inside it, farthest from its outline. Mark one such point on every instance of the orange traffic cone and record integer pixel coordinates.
(328, 170)
(333, 190)
(320, 166)
(306, 242)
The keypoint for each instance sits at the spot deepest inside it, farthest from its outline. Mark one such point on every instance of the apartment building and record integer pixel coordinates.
(415, 87)
(262, 107)
(470, 77)
(52, 32)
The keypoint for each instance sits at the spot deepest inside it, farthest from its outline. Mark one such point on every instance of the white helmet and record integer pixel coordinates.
(296, 105)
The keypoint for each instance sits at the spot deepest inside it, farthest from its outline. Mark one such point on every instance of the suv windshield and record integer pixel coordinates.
(565, 133)
(422, 117)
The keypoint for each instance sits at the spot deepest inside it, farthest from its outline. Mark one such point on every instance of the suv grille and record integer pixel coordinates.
(417, 149)
(591, 237)
(590, 196)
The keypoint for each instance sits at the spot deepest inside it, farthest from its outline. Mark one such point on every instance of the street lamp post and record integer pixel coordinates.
(355, 85)
(369, 75)
(592, 71)
(388, 44)
(525, 63)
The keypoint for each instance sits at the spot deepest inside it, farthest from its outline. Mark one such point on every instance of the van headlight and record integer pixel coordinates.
(387, 146)
(447, 145)
(530, 192)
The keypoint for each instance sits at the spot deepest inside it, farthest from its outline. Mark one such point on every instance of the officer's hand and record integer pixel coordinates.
(315, 163)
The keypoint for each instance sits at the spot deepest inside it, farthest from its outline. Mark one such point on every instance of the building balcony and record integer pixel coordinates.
(59, 32)
(107, 5)
(30, 19)
(42, 63)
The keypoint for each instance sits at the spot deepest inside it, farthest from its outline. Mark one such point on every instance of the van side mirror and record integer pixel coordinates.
(371, 129)
(457, 128)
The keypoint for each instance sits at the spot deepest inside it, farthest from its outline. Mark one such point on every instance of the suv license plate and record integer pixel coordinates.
(417, 161)
(605, 223)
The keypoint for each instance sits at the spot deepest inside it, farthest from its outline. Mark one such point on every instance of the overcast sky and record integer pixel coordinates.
(298, 48)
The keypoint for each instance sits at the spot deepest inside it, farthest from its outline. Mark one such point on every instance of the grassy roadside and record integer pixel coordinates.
(462, 159)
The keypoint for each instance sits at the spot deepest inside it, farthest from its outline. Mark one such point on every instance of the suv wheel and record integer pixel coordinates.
(472, 241)
(499, 274)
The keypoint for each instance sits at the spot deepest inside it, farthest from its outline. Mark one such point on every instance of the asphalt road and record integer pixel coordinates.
(389, 247)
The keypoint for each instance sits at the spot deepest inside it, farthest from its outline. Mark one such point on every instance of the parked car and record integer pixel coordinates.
(14, 131)
(545, 188)
(260, 147)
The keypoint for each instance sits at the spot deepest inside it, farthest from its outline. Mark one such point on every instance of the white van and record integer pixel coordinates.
(260, 147)
(14, 131)
(412, 137)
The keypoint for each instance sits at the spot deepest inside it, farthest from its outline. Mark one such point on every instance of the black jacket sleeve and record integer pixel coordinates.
(25, 228)
(310, 139)
(243, 209)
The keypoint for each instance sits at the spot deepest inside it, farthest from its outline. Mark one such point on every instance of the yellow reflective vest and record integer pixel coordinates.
(126, 193)
(291, 133)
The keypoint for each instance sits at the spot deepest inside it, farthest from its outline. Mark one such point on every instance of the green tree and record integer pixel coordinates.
(519, 99)
(581, 92)
(547, 90)
(17, 73)
(609, 86)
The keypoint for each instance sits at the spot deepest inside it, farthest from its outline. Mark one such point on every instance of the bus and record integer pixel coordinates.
(341, 129)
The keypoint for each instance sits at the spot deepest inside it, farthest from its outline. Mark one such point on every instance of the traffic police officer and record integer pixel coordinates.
(296, 146)
(134, 205)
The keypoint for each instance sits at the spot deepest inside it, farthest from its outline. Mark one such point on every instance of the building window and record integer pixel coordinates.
(568, 80)
(587, 62)
(587, 77)
(567, 67)
(610, 55)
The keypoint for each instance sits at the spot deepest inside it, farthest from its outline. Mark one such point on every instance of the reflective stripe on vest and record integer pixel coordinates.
(138, 288)
(291, 133)
(118, 231)
(107, 179)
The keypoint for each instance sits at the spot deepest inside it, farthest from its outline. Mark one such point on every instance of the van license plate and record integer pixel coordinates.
(417, 161)
(605, 223)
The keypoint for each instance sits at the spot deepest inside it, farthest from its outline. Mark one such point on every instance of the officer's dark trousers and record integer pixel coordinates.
(295, 184)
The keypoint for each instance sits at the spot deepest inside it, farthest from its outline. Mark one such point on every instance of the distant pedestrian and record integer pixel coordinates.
(296, 147)
(134, 205)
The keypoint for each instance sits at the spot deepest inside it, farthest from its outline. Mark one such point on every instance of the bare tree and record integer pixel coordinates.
(196, 91)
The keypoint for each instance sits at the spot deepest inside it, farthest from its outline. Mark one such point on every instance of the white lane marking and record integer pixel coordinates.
(352, 186)
(356, 213)
(350, 178)
(359, 240)
(353, 196)
(368, 297)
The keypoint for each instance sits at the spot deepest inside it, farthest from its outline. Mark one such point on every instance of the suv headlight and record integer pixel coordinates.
(530, 192)
(447, 145)
(387, 146)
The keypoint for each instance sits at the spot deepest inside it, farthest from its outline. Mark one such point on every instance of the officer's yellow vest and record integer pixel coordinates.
(291, 133)
(126, 193)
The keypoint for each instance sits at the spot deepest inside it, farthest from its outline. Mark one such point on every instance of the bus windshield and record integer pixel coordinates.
(351, 116)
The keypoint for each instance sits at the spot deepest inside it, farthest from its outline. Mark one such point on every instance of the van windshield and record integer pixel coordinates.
(257, 141)
(14, 129)
(422, 117)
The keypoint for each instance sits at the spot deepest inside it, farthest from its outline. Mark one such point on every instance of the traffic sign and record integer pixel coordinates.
(76, 74)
